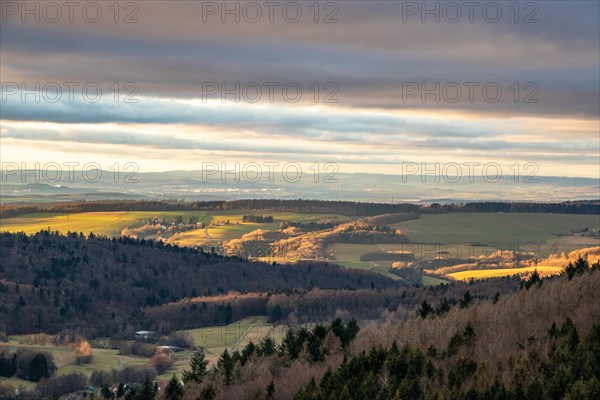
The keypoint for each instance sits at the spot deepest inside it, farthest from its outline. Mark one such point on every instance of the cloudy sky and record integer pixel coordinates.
(366, 84)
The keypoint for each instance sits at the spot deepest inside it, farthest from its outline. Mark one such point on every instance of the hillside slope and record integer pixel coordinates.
(49, 280)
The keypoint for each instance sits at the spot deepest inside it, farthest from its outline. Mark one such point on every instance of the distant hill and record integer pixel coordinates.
(202, 185)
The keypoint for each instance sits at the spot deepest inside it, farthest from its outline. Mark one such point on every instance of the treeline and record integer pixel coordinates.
(569, 207)
(297, 307)
(311, 226)
(104, 285)
(26, 364)
(8, 211)
(261, 219)
(348, 208)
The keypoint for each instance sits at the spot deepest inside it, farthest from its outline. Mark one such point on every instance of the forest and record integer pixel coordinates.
(541, 341)
(104, 285)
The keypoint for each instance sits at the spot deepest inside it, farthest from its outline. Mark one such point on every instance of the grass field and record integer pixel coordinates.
(508, 231)
(103, 359)
(432, 281)
(213, 339)
(216, 339)
(500, 272)
(348, 255)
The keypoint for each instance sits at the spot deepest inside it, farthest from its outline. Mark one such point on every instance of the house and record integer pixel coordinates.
(145, 335)
(174, 349)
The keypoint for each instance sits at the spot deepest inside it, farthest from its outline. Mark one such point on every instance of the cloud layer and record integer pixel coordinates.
(370, 70)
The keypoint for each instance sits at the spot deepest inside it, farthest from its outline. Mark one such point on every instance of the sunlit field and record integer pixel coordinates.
(500, 272)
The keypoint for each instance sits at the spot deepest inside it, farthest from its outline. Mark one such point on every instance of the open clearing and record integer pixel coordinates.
(213, 339)
(104, 359)
(216, 339)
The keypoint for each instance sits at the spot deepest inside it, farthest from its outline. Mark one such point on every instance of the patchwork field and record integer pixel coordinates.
(112, 223)
(468, 235)
(454, 235)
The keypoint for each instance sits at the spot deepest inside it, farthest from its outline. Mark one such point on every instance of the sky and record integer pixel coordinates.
(368, 85)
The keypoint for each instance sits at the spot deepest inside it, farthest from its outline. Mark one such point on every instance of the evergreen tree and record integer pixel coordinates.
(466, 300)
(146, 391)
(267, 346)
(198, 365)
(424, 310)
(247, 352)
(174, 389)
(120, 391)
(226, 363)
(208, 392)
(105, 392)
(443, 307)
(270, 391)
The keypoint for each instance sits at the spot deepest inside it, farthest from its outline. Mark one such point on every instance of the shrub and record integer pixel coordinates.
(138, 349)
(162, 361)
(180, 339)
(34, 365)
(83, 352)
(60, 385)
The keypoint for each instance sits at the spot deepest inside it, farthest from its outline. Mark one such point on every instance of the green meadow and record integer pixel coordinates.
(214, 340)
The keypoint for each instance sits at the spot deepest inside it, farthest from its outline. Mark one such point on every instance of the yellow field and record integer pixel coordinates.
(112, 223)
(101, 223)
(500, 272)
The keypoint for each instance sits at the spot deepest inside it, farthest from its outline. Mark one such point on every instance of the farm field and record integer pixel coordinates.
(101, 223)
(467, 235)
(112, 223)
(500, 272)
(454, 235)
(348, 255)
(508, 231)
